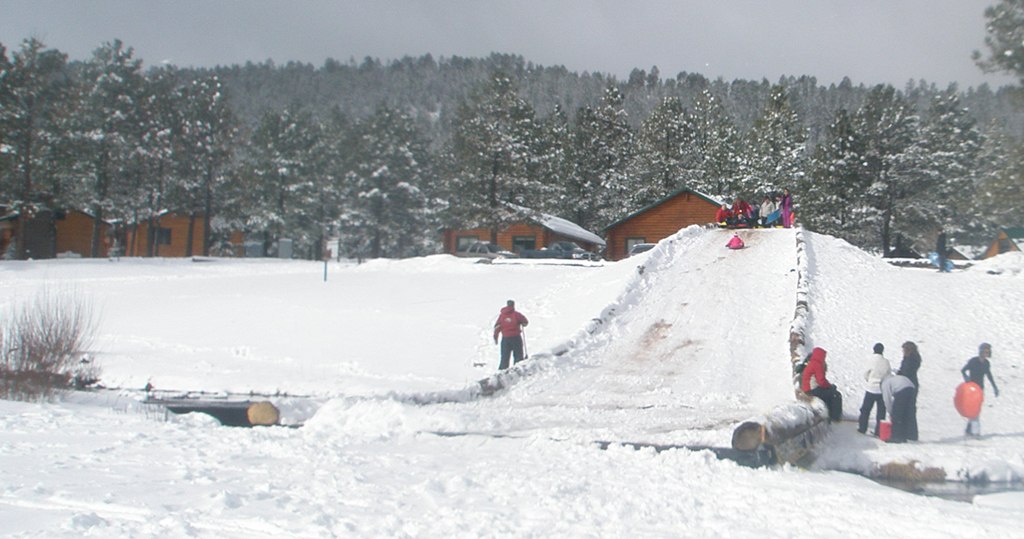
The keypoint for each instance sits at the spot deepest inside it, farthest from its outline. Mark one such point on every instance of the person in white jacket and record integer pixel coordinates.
(767, 208)
(900, 396)
(878, 369)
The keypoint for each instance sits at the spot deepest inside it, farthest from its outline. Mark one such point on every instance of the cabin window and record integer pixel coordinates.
(160, 236)
(630, 242)
(523, 243)
(463, 242)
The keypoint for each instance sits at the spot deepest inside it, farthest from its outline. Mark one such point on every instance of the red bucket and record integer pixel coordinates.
(884, 430)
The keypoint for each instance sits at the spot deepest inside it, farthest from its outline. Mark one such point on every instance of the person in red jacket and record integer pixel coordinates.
(814, 383)
(510, 325)
(724, 215)
(741, 211)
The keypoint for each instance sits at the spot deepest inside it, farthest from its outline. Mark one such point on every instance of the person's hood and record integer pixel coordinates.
(818, 355)
(508, 309)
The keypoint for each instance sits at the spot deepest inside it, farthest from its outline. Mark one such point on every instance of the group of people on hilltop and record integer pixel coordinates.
(891, 394)
(773, 211)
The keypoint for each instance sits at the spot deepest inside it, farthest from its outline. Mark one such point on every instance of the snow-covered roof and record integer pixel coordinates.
(561, 226)
(569, 229)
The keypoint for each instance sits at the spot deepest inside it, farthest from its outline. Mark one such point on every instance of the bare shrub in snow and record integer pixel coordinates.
(42, 347)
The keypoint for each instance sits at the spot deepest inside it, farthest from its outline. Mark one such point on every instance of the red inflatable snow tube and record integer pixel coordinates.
(968, 400)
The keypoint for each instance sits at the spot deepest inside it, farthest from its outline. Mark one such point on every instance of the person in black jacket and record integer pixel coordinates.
(909, 367)
(976, 369)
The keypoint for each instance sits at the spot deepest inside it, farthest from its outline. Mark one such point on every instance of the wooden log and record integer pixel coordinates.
(229, 413)
(791, 431)
(263, 413)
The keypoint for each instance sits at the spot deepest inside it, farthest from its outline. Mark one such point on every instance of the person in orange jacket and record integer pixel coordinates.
(814, 383)
(510, 326)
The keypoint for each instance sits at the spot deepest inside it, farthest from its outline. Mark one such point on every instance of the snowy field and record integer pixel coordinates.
(675, 346)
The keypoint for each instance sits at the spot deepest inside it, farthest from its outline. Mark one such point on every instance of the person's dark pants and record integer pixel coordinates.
(870, 400)
(904, 415)
(510, 346)
(833, 401)
(912, 422)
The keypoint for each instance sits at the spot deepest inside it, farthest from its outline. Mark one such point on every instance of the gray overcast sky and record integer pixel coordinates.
(870, 41)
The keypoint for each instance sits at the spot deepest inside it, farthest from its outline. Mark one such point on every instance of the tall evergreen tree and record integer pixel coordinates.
(493, 144)
(206, 137)
(551, 160)
(597, 191)
(892, 156)
(952, 145)
(34, 90)
(659, 166)
(281, 162)
(1005, 39)
(833, 193)
(1001, 180)
(712, 153)
(775, 146)
(107, 127)
(147, 182)
(386, 208)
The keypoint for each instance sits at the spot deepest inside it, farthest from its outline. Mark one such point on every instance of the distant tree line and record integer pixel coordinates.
(382, 155)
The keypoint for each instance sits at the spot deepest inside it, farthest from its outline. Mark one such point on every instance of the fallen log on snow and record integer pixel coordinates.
(229, 413)
(791, 430)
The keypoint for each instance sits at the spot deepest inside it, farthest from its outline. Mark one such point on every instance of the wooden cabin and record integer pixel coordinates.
(535, 231)
(168, 237)
(1009, 239)
(74, 235)
(659, 221)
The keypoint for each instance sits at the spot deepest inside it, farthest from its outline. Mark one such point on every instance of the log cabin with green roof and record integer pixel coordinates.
(659, 220)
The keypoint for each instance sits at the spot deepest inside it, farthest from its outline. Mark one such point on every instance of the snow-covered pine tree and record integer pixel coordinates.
(550, 162)
(773, 157)
(281, 159)
(597, 191)
(659, 167)
(952, 145)
(892, 160)
(142, 193)
(206, 136)
(1005, 39)
(712, 155)
(107, 127)
(34, 90)
(494, 141)
(832, 195)
(385, 209)
(1000, 189)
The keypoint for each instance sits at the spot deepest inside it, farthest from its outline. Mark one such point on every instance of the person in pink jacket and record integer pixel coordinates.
(814, 383)
(510, 326)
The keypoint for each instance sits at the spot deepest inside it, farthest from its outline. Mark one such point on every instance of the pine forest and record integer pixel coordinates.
(380, 156)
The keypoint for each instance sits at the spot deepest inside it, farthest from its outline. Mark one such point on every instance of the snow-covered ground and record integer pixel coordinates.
(675, 346)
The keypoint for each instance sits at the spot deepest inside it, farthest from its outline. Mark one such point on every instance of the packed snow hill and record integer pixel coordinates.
(673, 347)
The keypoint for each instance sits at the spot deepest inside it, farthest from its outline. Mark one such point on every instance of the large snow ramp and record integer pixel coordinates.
(697, 343)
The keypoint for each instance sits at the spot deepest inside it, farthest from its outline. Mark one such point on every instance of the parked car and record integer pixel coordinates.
(640, 248)
(560, 249)
(484, 249)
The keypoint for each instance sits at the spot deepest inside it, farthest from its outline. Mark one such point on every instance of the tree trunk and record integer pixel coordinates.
(101, 195)
(26, 192)
(207, 210)
(191, 236)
